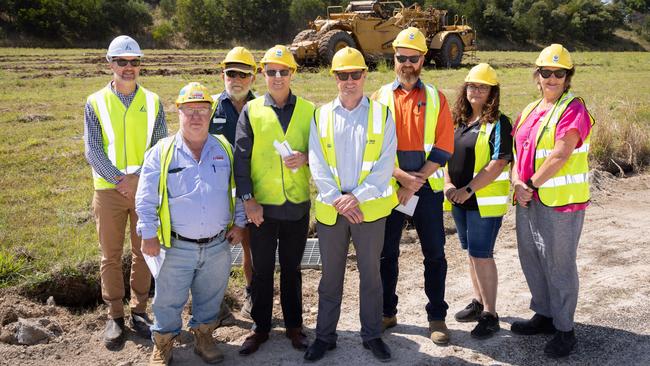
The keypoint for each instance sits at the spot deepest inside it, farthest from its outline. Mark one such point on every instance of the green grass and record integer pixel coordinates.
(46, 187)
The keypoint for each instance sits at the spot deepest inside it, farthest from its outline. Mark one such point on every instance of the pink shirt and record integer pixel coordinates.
(575, 117)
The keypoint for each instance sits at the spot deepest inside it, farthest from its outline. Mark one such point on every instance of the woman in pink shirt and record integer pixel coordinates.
(551, 184)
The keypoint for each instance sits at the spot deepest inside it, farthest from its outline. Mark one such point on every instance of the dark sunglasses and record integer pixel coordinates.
(122, 62)
(344, 76)
(277, 73)
(234, 73)
(412, 59)
(546, 73)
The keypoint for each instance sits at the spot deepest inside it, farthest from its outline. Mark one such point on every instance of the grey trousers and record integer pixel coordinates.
(334, 241)
(547, 241)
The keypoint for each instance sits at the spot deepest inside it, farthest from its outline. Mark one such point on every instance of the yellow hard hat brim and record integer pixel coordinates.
(553, 64)
(481, 81)
(346, 68)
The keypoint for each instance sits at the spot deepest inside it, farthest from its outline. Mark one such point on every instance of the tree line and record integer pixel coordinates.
(261, 23)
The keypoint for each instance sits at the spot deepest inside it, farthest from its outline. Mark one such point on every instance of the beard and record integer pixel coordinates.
(237, 94)
(408, 74)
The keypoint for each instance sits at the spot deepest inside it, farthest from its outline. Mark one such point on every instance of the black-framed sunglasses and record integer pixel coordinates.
(546, 73)
(277, 73)
(412, 59)
(234, 73)
(122, 62)
(344, 76)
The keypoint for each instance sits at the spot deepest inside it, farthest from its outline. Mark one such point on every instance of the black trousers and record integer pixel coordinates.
(289, 237)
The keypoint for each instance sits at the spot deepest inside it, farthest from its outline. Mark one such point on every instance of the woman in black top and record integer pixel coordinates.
(477, 184)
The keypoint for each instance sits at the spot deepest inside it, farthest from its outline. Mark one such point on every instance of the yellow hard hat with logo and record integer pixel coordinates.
(279, 54)
(348, 58)
(240, 55)
(555, 55)
(192, 93)
(482, 74)
(411, 37)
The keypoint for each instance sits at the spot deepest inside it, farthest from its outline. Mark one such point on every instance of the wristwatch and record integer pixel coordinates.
(530, 184)
(246, 197)
(469, 190)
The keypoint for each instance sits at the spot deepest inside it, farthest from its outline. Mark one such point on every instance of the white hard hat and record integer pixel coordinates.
(123, 46)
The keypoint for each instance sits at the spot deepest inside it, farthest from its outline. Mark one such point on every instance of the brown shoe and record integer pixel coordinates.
(205, 345)
(388, 322)
(162, 349)
(252, 343)
(439, 332)
(298, 338)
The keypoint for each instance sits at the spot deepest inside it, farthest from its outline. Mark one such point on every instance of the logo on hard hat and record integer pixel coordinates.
(182, 92)
(197, 95)
(556, 58)
(128, 47)
(411, 36)
(278, 52)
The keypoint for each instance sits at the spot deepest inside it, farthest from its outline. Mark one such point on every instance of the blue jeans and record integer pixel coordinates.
(477, 234)
(202, 268)
(427, 219)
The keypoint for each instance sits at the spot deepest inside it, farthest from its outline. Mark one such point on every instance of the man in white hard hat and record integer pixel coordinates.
(122, 121)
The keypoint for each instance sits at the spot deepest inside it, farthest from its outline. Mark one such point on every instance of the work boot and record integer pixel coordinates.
(388, 321)
(224, 313)
(488, 324)
(471, 312)
(536, 325)
(114, 333)
(561, 345)
(205, 345)
(141, 323)
(298, 338)
(162, 348)
(439, 332)
(248, 305)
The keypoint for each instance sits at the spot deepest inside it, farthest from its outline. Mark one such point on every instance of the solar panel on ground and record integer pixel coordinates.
(310, 259)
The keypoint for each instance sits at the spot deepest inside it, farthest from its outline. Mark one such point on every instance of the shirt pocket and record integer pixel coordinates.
(219, 178)
(180, 181)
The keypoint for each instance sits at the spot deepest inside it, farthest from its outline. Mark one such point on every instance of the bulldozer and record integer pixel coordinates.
(371, 27)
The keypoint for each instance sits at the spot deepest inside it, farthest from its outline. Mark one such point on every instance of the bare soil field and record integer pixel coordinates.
(612, 315)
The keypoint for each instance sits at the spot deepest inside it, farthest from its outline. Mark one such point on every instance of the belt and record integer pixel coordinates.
(197, 241)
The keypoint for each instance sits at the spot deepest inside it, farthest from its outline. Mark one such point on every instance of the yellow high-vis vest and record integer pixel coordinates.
(431, 111)
(126, 133)
(571, 183)
(273, 182)
(372, 209)
(166, 148)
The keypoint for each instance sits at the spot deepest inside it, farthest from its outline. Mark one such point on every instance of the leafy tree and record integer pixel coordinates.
(203, 22)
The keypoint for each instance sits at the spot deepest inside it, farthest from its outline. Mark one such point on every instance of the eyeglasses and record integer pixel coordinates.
(192, 111)
(344, 76)
(546, 73)
(277, 73)
(234, 73)
(122, 62)
(479, 88)
(412, 59)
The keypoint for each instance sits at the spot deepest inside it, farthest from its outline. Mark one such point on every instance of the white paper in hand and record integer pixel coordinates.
(155, 263)
(410, 206)
(284, 149)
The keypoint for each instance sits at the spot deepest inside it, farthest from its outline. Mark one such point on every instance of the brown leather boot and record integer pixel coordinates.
(204, 344)
(162, 348)
(298, 338)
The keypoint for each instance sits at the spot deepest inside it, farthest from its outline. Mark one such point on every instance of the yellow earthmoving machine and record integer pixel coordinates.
(371, 27)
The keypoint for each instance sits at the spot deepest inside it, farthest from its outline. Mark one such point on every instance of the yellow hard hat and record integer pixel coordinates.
(555, 55)
(482, 74)
(192, 93)
(411, 37)
(279, 54)
(348, 58)
(240, 55)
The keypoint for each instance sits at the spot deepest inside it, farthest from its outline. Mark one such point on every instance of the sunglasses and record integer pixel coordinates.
(412, 59)
(479, 88)
(191, 111)
(344, 76)
(546, 73)
(234, 73)
(277, 73)
(122, 62)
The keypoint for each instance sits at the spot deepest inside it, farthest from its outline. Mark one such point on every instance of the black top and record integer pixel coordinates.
(224, 119)
(461, 164)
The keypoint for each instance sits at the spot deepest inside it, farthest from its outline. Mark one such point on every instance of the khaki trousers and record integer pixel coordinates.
(111, 212)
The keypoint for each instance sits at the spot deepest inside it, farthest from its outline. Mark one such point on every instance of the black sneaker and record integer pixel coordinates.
(536, 325)
(561, 345)
(471, 312)
(114, 333)
(488, 324)
(141, 323)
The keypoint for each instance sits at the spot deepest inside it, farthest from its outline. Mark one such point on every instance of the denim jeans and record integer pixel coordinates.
(202, 268)
(477, 234)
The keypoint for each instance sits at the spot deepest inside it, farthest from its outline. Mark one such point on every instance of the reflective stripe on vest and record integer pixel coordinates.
(164, 216)
(126, 133)
(570, 184)
(374, 208)
(431, 112)
(273, 182)
(492, 199)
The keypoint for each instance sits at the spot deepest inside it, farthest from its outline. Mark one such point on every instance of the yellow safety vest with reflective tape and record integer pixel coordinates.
(273, 182)
(126, 133)
(571, 183)
(431, 112)
(372, 209)
(164, 216)
(492, 199)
